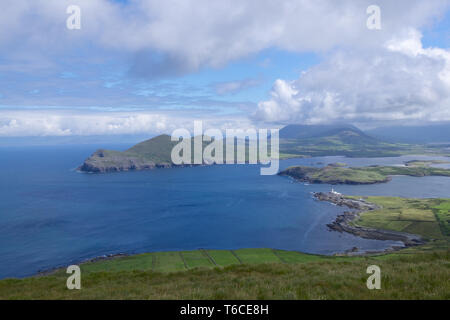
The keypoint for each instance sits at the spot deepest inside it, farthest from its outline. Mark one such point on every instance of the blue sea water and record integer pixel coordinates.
(51, 215)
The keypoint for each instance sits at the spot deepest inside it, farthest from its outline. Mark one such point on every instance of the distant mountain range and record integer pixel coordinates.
(345, 140)
(407, 134)
(299, 131)
(344, 133)
(414, 134)
(295, 140)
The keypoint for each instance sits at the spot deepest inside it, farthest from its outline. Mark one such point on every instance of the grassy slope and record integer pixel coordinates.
(157, 149)
(414, 273)
(442, 212)
(404, 276)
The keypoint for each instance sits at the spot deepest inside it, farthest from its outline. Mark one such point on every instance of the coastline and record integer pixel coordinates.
(343, 223)
(346, 222)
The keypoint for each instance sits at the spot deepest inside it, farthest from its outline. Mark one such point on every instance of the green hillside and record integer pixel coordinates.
(333, 174)
(404, 276)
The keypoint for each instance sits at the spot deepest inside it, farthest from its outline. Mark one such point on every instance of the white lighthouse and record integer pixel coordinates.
(335, 192)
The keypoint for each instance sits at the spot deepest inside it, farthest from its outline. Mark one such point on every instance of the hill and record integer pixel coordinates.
(296, 140)
(298, 131)
(345, 140)
(150, 154)
(404, 276)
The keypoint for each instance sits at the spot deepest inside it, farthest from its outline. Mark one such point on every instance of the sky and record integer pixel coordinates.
(149, 67)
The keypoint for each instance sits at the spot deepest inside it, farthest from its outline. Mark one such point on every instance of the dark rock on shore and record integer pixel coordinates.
(106, 161)
(341, 200)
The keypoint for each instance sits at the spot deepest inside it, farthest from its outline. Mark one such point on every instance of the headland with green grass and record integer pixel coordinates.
(337, 174)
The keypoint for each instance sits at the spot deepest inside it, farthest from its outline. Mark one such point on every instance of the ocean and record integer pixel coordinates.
(51, 215)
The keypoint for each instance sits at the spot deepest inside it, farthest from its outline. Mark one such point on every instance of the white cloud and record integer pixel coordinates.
(401, 81)
(360, 81)
(177, 36)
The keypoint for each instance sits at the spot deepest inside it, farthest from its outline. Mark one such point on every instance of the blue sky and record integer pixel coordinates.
(141, 66)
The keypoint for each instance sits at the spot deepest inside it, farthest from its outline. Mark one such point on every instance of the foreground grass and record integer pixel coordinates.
(404, 276)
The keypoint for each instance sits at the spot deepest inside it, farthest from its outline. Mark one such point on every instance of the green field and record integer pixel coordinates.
(184, 260)
(415, 216)
(404, 276)
(442, 212)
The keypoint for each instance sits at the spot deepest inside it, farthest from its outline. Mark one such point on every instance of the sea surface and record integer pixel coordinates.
(51, 215)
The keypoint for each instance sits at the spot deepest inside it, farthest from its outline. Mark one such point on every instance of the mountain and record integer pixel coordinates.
(342, 140)
(296, 140)
(414, 134)
(150, 154)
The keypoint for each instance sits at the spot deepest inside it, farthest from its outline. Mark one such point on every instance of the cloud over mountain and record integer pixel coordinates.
(178, 36)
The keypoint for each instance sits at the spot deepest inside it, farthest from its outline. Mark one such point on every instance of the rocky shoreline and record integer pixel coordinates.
(345, 221)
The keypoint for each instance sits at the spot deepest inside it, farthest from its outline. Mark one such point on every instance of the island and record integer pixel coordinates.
(150, 154)
(333, 174)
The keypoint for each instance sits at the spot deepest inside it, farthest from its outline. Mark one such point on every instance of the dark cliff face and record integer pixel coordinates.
(101, 164)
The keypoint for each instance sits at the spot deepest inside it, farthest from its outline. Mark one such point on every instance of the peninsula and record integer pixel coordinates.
(348, 221)
(150, 154)
(333, 174)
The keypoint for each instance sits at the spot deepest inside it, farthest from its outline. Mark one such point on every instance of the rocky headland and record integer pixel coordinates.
(347, 222)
